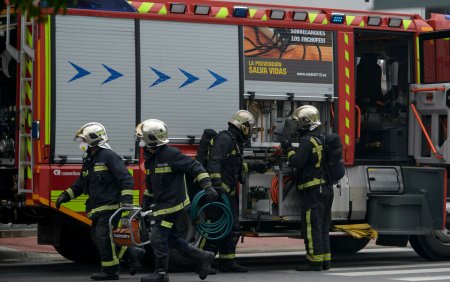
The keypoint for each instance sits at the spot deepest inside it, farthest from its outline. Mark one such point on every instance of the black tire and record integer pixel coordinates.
(435, 246)
(75, 242)
(347, 244)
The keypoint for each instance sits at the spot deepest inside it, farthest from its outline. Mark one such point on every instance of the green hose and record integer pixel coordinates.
(212, 230)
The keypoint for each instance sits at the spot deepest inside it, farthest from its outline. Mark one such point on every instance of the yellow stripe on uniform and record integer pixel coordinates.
(103, 208)
(100, 168)
(172, 209)
(166, 224)
(315, 181)
(126, 192)
(318, 150)
(70, 192)
(215, 175)
(227, 256)
(166, 169)
(202, 176)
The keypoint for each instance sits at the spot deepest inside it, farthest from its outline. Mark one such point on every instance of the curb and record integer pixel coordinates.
(14, 233)
(11, 255)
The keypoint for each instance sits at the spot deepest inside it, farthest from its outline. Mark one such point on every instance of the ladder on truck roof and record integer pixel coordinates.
(25, 57)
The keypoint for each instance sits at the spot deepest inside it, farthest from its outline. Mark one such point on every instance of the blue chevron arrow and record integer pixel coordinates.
(81, 72)
(114, 74)
(162, 77)
(219, 79)
(190, 78)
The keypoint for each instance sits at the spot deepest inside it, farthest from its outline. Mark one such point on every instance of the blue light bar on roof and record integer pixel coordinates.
(337, 18)
(240, 12)
(447, 17)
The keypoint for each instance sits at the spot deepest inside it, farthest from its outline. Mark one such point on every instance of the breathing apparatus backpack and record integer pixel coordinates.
(203, 147)
(334, 165)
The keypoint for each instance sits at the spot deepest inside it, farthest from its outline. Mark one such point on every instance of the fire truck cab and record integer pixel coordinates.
(380, 80)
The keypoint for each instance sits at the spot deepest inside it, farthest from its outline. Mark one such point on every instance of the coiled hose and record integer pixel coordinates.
(215, 230)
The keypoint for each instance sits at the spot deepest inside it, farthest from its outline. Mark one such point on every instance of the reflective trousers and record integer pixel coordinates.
(316, 221)
(102, 238)
(164, 236)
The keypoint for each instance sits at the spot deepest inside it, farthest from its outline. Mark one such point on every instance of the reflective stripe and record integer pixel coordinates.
(245, 166)
(201, 246)
(70, 192)
(147, 193)
(318, 150)
(233, 193)
(227, 256)
(103, 208)
(202, 175)
(314, 182)
(233, 153)
(310, 255)
(166, 169)
(290, 154)
(314, 258)
(147, 171)
(127, 192)
(326, 256)
(224, 186)
(166, 224)
(100, 168)
(110, 263)
(215, 175)
(85, 173)
(122, 251)
(172, 209)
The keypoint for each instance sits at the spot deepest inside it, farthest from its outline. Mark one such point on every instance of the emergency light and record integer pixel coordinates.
(276, 14)
(337, 18)
(299, 16)
(374, 21)
(240, 12)
(177, 8)
(201, 10)
(395, 22)
(447, 17)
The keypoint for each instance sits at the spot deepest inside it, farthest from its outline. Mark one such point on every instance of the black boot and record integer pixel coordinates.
(326, 265)
(230, 265)
(136, 255)
(309, 267)
(105, 276)
(203, 259)
(157, 276)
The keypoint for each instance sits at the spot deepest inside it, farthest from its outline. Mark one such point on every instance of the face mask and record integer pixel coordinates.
(83, 146)
(142, 144)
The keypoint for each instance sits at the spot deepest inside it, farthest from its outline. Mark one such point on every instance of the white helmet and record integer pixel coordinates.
(93, 133)
(307, 117)
(244, 121)
(153, 132)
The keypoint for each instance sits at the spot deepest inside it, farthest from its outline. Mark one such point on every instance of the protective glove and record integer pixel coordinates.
(64, 197)
(211, 194)
(259, 167)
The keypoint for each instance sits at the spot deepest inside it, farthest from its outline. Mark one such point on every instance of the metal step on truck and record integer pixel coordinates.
(380, 80)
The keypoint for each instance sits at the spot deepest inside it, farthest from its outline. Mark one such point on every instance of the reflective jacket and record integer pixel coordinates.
(105, 178)
(225, 161)
(308, 160)
(166, 182)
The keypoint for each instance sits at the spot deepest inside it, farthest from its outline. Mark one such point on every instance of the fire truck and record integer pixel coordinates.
(380, 80)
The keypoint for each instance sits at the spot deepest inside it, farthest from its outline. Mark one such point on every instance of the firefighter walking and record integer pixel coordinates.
(167, 196)
(316, 194)
(105, 178)
(227, 169)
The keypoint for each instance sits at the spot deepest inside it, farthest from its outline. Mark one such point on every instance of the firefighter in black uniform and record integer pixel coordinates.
(316, 194)
(227, 169)
(167, 195)
(106, 180)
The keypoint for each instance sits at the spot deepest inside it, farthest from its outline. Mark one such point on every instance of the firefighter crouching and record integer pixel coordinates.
(226, 167)
(166, 191)
(105, 178)
(316, 194)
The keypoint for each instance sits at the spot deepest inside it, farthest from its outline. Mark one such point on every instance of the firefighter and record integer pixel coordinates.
(106, 180)
(167, 196)
(316, 194)
(227, 169)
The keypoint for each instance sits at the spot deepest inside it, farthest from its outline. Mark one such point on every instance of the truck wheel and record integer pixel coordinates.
(434, 246)
(75, 242)
(347, 244)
